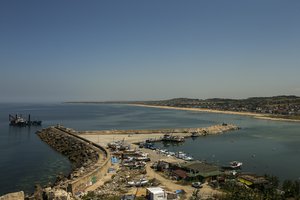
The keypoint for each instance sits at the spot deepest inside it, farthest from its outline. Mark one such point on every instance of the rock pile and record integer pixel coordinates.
(57, 194)
(80, 153)
(13, 196)
(77, 152)
(50, 194)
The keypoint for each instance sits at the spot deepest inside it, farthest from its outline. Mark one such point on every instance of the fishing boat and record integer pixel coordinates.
(235, 164)
(170, 138)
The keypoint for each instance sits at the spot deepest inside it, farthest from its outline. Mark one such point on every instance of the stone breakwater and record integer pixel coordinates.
(186, 132)
(90, 161)
(79, 154)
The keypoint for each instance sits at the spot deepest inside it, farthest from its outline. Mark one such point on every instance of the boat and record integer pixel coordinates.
(235, 164)
(180, 155)
(194, 134)
(188, 158)
(19, 121)
(138, 183)
(170, 138)
(197, 184)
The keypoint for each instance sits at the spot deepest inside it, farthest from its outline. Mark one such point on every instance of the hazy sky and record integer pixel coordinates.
(62, 50)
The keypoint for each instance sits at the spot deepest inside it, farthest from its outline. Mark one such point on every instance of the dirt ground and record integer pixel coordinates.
(170, 185)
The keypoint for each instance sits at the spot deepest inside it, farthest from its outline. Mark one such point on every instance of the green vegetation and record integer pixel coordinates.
(272, 191)
(93, 196)
(280, 106)
(291, 189)
(236, 192)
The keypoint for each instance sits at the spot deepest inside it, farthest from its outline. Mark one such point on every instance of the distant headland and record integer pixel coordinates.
(286, 108)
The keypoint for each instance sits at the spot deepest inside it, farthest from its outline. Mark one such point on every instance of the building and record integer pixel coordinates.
(190, 171)
(180, 174)
(201, 171)
(156, 193)
(253, 181)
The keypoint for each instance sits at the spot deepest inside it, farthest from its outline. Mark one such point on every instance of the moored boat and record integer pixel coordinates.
(235, 164)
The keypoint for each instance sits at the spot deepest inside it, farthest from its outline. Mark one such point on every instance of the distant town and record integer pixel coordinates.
(277, 106)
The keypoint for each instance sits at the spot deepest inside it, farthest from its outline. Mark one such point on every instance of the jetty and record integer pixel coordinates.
(90, 161)
(103, 137)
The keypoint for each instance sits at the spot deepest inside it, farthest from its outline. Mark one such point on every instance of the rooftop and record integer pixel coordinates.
(202, 169)
(156, 190)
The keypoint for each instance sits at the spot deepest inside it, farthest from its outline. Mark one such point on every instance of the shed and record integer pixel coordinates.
(180, 174)
(201, 170)
(128, 197)
(156, 193)
(253, 181)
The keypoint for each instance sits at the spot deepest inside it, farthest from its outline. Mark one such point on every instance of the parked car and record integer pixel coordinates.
(197, 184)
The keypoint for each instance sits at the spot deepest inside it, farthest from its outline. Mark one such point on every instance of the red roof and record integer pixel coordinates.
(180, 173)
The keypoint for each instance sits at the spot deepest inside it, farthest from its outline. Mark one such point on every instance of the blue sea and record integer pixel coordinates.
(263, 146)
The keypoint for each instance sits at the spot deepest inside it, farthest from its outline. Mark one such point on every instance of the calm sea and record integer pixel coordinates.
(263, 146)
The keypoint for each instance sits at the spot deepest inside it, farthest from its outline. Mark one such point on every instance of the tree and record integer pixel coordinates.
(196, 195)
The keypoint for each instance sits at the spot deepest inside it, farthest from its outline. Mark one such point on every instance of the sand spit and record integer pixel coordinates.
(255, 115)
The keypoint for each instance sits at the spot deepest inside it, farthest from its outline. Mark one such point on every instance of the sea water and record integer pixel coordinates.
(263, 146)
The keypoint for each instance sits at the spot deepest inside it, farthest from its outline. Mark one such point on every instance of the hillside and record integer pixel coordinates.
(288, 106)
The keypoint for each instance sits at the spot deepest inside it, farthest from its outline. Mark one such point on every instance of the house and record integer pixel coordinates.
(156, 193)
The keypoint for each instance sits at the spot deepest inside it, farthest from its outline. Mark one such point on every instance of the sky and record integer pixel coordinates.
(110, 50)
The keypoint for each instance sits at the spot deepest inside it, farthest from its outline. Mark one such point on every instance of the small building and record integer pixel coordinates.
(128, 197)
(253, 181)
(162, 165)
(168, 164)
(156, 193)
(201, 171)
(180, 174)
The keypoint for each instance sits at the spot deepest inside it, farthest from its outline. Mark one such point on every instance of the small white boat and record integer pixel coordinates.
(188, 158)
(236, 164)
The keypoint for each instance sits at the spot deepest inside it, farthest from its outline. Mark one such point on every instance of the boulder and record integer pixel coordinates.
(13, 196)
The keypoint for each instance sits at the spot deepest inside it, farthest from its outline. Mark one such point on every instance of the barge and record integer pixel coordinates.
(19, 121)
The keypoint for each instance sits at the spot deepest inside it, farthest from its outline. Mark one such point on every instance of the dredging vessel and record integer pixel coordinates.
(18, 120)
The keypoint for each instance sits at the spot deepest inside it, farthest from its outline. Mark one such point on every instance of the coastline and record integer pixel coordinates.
(254, 115)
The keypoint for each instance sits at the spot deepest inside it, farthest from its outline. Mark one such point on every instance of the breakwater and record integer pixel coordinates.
(186, 132)
(90, 161)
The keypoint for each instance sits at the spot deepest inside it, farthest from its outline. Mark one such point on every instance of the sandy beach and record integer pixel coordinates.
(255, 115)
